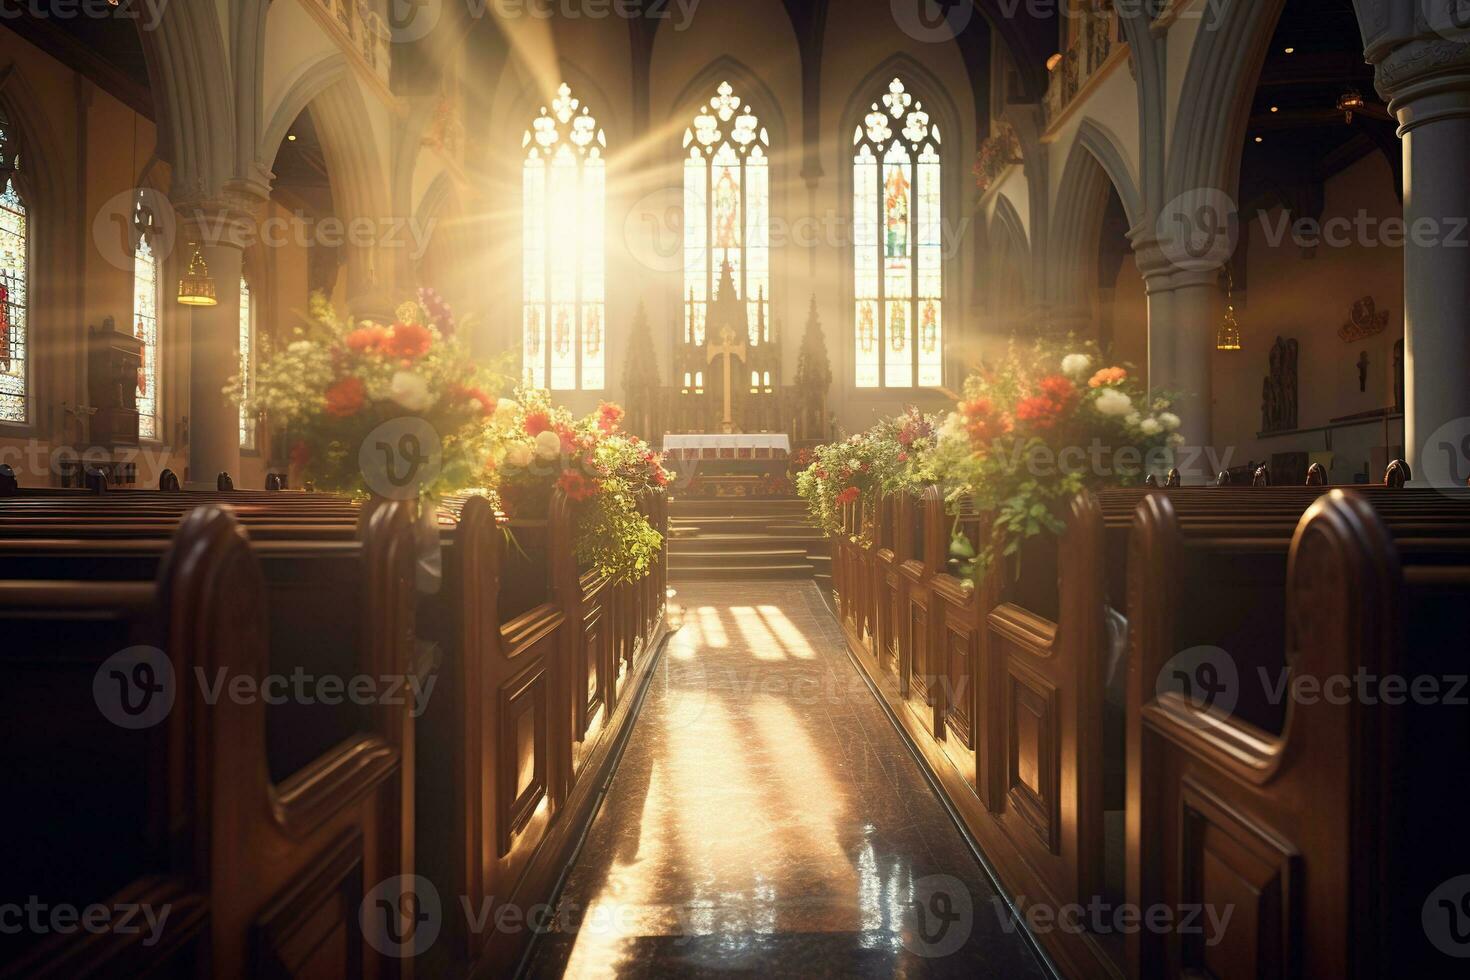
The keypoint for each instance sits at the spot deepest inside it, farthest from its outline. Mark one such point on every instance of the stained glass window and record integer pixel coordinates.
(14, 266)
(247, 365)
(145, 323)
(564, 185)
(727, 212)
(898, 281)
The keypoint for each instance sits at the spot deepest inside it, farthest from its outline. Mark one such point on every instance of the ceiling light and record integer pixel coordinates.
(1053, 61)
(1291, 50)
(1260, 139)
(196, 287)
(1350, 102)
(291, 137)
(1274, 108)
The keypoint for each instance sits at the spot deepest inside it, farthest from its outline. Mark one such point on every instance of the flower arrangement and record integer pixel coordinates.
(394, 409)
(1039, 427)
(888, 457)
(602, 470)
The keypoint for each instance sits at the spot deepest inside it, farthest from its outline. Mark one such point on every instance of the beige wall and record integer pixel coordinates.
(1308, 297)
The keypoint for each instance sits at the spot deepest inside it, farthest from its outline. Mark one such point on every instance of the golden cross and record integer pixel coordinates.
(729, 350)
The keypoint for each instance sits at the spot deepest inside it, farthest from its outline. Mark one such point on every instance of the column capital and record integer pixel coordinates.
(228, 217)
(1156, 259)
(1416, 49)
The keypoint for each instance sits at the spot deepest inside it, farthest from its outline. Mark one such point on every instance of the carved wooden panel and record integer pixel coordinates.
(312, 930)
(523, 714)
(1230, 861)
(961, 684)
(918, 627)
(894, 619)
(1033, 764)
(593, 659)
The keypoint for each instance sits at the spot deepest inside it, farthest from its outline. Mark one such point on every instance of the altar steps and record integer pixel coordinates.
(745, 538)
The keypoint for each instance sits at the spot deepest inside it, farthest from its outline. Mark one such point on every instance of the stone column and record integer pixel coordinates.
(1184, 310)
(1426, 80)
(221, 228)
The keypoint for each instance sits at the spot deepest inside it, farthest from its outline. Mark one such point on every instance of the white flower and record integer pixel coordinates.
(519, 455)
(1076, 365)
(1132, 420)
(548, 445)
(1150, 427)
(299, 346)
(410, 391)
(505, 408)
(1176, 439)
(1169, 421)
(1112, 402)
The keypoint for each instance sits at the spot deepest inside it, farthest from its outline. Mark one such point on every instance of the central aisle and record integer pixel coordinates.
(767, 820)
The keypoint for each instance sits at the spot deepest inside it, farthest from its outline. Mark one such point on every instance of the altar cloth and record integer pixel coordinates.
(756, 445)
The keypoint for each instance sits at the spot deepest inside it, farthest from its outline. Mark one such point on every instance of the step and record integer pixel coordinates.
(721, 573)
(737, 559)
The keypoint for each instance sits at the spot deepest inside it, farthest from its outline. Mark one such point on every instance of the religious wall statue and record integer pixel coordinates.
(1279, 390)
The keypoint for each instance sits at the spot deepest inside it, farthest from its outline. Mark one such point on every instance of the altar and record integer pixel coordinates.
(729, 465)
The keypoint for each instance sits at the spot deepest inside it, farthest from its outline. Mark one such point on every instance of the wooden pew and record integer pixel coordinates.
(1325, 832)
(540, 697)
(281, 862)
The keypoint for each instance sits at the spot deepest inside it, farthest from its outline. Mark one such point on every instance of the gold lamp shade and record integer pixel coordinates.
(1228, 336)
(196, 288)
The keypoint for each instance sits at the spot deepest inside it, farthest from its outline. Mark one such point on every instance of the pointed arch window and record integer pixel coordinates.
(564, 182)
(15, 376)
(727, 212)
(145, 319)
(247, 365)
(897, 248)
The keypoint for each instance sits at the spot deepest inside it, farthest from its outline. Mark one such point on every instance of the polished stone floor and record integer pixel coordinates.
(766, 820)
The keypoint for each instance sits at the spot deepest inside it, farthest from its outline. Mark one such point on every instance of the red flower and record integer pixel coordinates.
(661, 475)
(346, 397)
(568, 436)
(848, 496)
(1041, 412)
(609, 417)
(575, 485)
(409, 341)
(366, 338)
(483, 402)
(1058, 388)
(537, 423)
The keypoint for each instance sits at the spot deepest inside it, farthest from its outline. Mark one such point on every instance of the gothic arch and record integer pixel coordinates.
(1094, 169)
(189, 73)
(1215, 102)
(311, 80)
(749, 86)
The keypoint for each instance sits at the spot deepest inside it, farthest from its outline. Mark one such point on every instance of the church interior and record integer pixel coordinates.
(783, 488)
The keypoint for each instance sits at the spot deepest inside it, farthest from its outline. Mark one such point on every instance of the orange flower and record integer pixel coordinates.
(366, 338)
(346, 397)
(409, 341)
(1107, 376)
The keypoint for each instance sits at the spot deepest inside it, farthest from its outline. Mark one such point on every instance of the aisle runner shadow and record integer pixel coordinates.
(766, 819)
